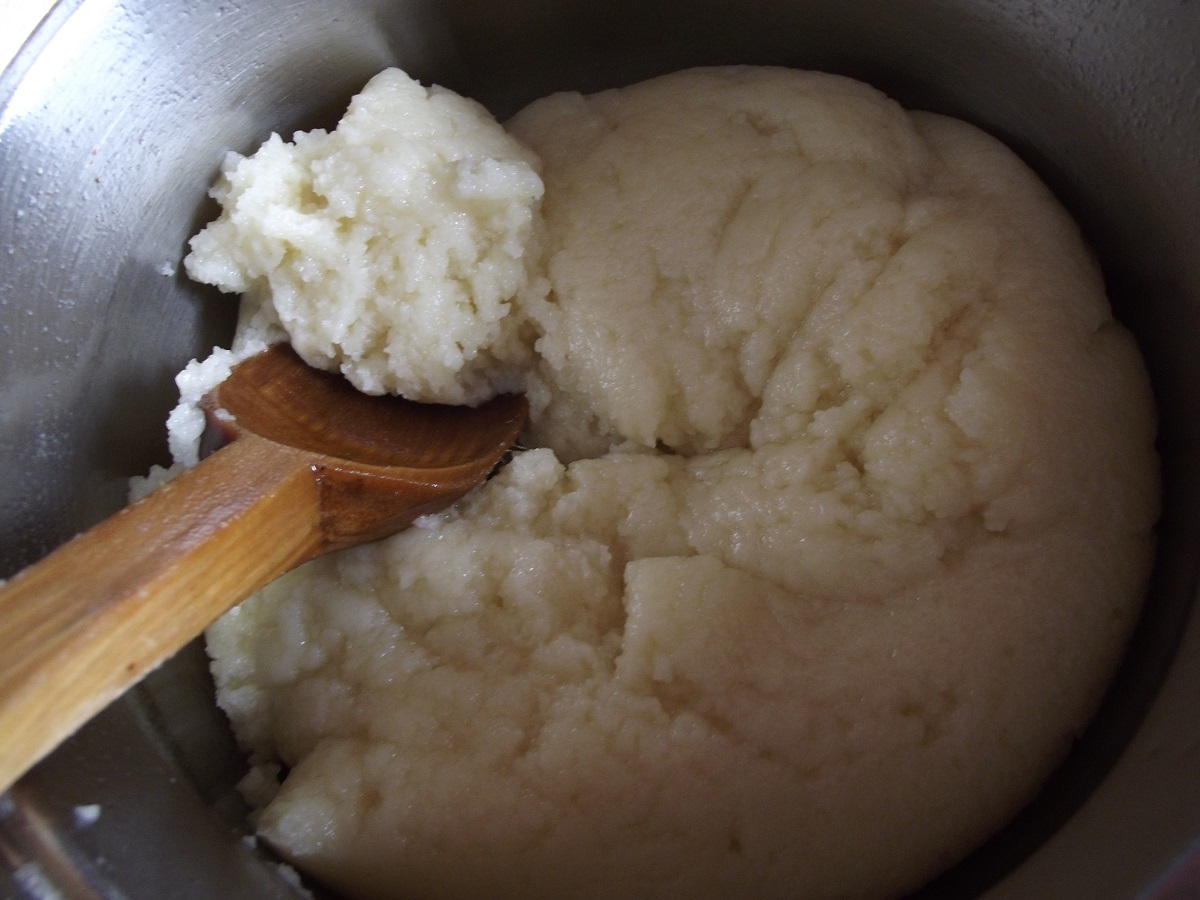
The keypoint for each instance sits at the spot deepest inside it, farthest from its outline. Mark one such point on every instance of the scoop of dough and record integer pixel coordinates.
(392, 249)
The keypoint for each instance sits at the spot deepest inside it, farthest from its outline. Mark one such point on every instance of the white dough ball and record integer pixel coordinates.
(842, 519)
(392, 249)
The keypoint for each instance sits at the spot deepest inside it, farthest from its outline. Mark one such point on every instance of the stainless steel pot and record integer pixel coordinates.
(113, 118)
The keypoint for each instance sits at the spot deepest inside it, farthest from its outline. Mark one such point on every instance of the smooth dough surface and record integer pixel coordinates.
(840, 521)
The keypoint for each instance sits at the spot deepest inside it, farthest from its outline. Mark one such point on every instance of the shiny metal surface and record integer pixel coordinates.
(113, 119)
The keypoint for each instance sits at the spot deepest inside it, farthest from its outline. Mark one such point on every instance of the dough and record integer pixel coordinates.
(839, 521)
(391, 249)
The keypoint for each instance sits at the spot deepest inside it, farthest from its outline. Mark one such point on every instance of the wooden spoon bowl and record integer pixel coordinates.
(306, 465)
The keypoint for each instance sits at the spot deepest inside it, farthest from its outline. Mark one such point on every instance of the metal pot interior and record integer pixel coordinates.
(113, 120)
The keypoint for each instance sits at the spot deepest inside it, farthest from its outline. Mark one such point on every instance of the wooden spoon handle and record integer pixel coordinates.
(92, 618)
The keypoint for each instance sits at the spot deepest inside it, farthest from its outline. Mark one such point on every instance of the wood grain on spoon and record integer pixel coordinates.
(311, 466)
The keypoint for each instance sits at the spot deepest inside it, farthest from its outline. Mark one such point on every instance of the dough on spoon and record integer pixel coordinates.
(391, 249)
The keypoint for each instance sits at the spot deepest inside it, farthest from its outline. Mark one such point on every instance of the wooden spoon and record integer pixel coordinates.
(311, 465)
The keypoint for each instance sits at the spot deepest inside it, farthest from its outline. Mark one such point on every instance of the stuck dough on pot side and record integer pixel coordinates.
(840, 518)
